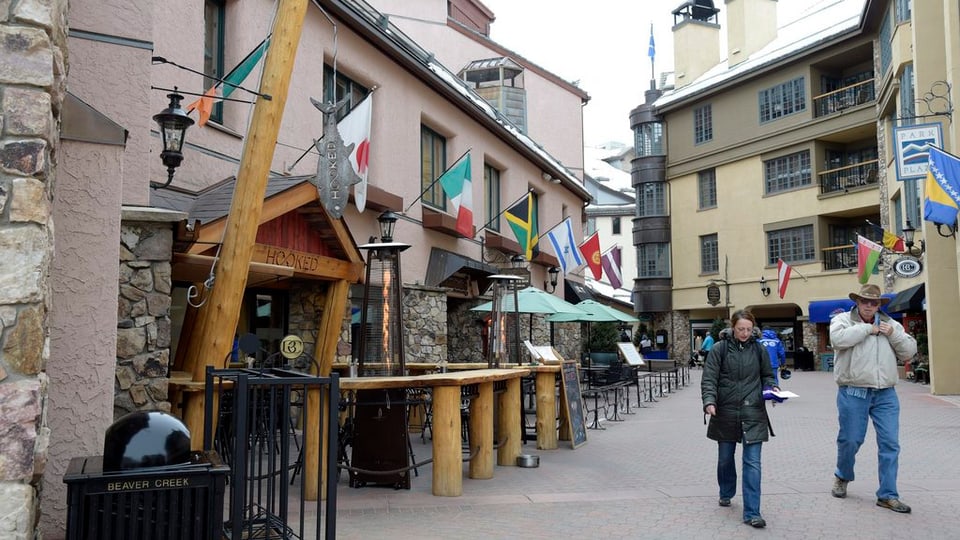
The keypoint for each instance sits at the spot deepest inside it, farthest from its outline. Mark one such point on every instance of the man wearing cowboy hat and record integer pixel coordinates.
(867, 344)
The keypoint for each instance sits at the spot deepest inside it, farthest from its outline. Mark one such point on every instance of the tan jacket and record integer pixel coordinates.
(864, 360)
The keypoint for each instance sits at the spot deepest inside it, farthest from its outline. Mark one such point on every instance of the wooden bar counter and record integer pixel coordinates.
(447, 458)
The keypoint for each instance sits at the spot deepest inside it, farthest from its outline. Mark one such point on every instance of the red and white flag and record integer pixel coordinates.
(355, 129)
(783, 277)
(611, 266)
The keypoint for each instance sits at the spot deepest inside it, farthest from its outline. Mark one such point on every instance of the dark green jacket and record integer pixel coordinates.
(733, 379)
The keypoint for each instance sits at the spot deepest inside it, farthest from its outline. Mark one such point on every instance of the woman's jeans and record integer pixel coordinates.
(727, 475)
(855, 405)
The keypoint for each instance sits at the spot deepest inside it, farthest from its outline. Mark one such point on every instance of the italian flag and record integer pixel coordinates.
(459, 189)
(868, 257)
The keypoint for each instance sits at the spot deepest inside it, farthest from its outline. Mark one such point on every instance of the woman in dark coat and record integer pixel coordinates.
(734, 376)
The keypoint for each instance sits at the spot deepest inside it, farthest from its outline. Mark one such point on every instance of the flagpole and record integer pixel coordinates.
(435, 180)
(509, 206)
(559, 223)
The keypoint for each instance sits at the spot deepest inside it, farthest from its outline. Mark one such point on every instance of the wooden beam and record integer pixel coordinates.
(217, 320)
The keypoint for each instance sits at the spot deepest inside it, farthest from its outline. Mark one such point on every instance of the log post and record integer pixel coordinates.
(546, 410)
(217, 320)
(447, 460)
(481, 432)
(508, 424)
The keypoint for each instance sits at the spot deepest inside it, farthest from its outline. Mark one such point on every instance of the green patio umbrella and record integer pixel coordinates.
(533, 300)
(593, 311)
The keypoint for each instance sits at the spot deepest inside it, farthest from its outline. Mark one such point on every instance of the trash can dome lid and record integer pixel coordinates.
(145, 439)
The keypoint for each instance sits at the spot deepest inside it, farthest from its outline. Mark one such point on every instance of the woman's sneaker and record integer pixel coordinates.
(840, 488)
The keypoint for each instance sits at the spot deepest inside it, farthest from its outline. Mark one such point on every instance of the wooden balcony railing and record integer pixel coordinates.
(851, 176)
(839, 100)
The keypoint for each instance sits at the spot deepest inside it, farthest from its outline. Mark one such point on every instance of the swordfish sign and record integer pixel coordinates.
(334, 173)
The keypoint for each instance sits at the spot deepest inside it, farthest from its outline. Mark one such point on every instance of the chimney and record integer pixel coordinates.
(696, 40)
(751, 25)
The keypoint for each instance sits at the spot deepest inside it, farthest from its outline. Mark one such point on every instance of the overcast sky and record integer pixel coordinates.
(603, 45)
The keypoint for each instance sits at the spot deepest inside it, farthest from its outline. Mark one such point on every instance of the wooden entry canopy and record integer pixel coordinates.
(295, 239)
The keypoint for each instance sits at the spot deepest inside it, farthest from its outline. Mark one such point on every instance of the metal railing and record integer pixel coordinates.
(844, 98)
(849, 177)
(840, 257)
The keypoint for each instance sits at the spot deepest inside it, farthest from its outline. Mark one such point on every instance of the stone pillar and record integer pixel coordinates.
(32, 44)
(143, 311)
(425, 324)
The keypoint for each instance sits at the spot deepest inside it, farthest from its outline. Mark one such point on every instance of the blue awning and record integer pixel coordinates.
(822, 310)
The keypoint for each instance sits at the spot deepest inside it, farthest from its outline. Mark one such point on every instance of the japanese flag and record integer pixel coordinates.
(355, 129)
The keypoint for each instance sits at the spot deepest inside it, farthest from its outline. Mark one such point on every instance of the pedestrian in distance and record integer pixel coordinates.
(735, 374)
(867, 344)
(706, 346)
(645, 344)
(778, 356)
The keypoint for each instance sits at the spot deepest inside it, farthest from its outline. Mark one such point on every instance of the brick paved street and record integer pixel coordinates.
(653, 476)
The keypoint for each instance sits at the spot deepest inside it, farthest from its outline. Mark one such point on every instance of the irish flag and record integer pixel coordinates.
(232, 80)
(868, 256)
(459, 189)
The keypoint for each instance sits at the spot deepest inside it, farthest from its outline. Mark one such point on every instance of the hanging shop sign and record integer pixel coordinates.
(907, 267)
(713, 294)
(334, 173)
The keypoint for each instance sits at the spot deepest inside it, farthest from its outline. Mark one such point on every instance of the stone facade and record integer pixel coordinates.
(425, 324)
(143, 318)
(32, 74)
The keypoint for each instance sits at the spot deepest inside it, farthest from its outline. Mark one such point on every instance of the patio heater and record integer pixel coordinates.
(381, 313)
(380, 437)
(504, 286)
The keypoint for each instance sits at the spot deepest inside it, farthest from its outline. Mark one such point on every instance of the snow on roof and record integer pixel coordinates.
(821, 21)
(598, 169)
(607, 290)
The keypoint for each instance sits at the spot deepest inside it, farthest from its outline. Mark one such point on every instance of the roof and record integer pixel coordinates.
(375, 27)
(822, 22)
(214, 202)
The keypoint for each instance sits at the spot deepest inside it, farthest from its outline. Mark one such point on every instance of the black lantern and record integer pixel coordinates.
(553, 272)
(387, 220)
(908, 232)
(764, 289)
(517, 261)
(173, 122)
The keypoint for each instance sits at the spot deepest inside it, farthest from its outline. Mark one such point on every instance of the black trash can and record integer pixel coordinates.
(146, 486)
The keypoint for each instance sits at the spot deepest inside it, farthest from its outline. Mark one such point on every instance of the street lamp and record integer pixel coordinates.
(553, 272)
(173, 122)
(764, 290)
(908, 232)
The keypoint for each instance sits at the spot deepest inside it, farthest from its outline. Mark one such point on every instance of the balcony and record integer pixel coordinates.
(842, 99)
(843, 179)
(840, 258)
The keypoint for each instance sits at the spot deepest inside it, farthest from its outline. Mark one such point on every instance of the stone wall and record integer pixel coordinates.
(425, 324)
(32, 74)
(143, 318)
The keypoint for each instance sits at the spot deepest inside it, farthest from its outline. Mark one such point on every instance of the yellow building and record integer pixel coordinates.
(782, 146)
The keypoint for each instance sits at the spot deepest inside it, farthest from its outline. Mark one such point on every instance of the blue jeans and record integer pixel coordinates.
(854, 406)
(727, 475)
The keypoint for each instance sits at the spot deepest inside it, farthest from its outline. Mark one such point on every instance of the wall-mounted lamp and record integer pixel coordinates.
(517, 261)
(908, 232)
(387, 221)
(764, 290)
(551, 285)
(173, 122)
(951, 230)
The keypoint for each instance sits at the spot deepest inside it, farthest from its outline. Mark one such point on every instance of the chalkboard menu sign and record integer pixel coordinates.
(574, 403)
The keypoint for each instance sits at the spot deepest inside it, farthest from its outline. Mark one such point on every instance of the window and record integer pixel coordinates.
(213, 15)
(653, 260)
(903, 11)
(616, 225)
(884, 37)
(787, 172)
(702, 124)
(911, 186)
(793, 245)
(648, 139)
(787, 98)
(590, 226)
(339, 86)
(491, 197)
(707, 189)
(709, 254)
(651, 199)
(433, 159)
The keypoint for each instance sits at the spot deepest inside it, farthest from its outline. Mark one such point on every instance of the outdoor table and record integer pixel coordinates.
(447, 457)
